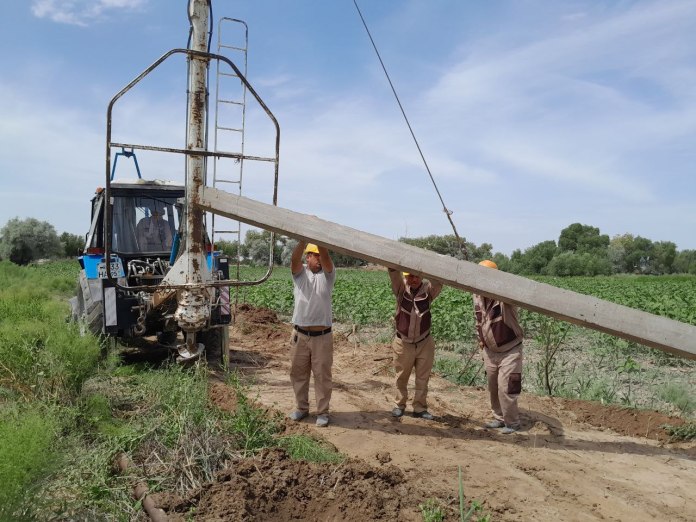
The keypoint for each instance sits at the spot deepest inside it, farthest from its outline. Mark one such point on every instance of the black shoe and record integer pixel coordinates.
(397, 412)
(423, 415)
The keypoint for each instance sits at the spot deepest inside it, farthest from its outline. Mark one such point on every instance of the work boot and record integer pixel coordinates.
(494, 424)
(508, 430)
(298, 415)
(397, 412)
(323, 420)
(423, 415)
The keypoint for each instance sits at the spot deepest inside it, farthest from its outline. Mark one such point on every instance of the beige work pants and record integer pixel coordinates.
(311, 355)
(504, 372)
(408, 356)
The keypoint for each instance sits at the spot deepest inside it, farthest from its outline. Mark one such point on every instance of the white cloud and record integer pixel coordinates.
(80, 12)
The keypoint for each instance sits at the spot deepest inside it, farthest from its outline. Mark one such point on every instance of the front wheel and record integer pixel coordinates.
(215, 341)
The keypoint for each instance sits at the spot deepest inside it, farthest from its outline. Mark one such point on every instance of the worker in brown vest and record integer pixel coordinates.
(500, 339)
(413, 346)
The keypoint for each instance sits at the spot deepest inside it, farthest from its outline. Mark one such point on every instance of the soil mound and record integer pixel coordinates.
(273, 487)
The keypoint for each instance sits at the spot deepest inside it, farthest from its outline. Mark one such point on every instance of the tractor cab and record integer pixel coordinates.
(145, 222)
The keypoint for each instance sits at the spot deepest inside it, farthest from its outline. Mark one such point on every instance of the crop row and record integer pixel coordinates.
(364, 297)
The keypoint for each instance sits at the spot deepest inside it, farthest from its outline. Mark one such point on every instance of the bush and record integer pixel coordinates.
(23, 241)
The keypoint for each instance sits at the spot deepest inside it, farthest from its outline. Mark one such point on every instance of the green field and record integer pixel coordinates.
(364, 297)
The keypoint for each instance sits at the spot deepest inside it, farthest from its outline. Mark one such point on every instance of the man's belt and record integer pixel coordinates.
(398, 334)
(312, 333)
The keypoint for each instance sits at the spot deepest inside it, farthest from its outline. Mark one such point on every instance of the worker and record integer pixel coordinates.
(500, 339)
(153, 231)
(311, 344)
(413, 346)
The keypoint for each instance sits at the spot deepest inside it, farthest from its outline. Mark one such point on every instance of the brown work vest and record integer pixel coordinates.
(413, 313)
(497, 325)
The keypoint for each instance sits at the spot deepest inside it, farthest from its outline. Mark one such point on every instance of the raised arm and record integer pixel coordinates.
(397, 281)
(435, 288)
(296, 259)
(326, 262)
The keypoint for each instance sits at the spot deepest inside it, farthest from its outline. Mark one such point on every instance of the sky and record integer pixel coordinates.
(532, 114)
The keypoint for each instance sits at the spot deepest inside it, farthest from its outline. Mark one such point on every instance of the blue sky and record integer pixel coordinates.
(533, 114)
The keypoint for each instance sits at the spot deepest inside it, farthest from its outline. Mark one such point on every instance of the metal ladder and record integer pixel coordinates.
(227, 99)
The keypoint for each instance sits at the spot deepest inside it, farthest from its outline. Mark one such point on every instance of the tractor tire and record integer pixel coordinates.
(87, 313)
(215, 341)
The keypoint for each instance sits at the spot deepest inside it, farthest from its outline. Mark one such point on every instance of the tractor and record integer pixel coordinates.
(149, 270)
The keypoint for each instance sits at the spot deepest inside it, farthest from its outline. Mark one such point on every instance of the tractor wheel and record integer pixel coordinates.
(215, 341)
(87, 313)
(167, 338)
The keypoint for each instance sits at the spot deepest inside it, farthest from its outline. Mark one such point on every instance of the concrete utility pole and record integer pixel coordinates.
(644, 328)
(193, 308)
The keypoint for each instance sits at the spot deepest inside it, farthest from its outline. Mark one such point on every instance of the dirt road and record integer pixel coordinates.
(571, 460)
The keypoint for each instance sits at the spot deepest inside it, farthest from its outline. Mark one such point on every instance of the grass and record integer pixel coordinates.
(679, 395)
(685, 432)
(27, 436)
(432, 510)
(303, 447)
(65, 414)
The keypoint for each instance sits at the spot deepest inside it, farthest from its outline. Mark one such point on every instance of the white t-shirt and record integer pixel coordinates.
(313, 297)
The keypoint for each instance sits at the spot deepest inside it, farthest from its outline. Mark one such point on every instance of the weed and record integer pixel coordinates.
(680, 396)
(465, 369)
(302, 447)
(254, 427)
(685, 432)
(432, 511)
(27, 436)
(475, 506)
(550, 334)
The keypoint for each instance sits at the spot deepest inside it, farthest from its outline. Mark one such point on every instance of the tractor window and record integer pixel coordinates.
(144, 224)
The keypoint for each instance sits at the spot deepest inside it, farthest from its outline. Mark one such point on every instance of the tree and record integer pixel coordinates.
(574, 264)
(445, 245)
(664, 254)
(619, 246)
(685, 262)
(258, 246)
(580, 238)
(72, 244)
(23, 241)
(534, 259)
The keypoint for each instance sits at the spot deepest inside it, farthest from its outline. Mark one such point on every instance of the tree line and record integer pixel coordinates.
(580, 250)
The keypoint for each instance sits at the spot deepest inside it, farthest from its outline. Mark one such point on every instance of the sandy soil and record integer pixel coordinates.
(571, 460)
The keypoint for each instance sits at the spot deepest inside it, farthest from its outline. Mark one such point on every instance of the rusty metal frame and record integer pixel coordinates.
(109, 144)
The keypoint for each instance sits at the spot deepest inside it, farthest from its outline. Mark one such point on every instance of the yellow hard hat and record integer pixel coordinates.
(488, 263)
(311, 247)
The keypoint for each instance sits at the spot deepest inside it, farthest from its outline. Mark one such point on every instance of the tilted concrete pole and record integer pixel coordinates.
(648, 329)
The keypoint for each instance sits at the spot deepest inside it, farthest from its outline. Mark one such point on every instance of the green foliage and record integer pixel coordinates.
(254, 427)
(580, 239)
(685, 262)
(680, 395)
(303, 447)
(534, 259)
(27, 436)
(24, 240)
(432, 510)
(549, 334)
(72, 244)
(685, 432)
(465, 369)
(578, 264)
(40, 355)
(258, 247)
